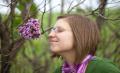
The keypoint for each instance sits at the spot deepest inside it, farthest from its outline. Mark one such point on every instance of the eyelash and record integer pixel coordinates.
(57, 30)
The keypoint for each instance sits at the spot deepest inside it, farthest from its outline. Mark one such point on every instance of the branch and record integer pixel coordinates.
(53, 7)
(3, 5)
(12, 16)
(12, 8)
(113, 19)
(92, 12)
(75, 6)
(70, 5)
(114, 2)
(40, 4)
(15, 47)
(101, 11)
(9, 3)
(25, 13)
(43, 17)
(8, 23)
(0, 50)
(5, 35)
(44, 4)
(103, 17)
(46, 30)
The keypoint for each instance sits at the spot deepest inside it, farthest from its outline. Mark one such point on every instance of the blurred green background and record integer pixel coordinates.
(33, 56)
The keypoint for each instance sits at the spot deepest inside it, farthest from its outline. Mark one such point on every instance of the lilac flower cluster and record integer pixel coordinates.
(30, 29)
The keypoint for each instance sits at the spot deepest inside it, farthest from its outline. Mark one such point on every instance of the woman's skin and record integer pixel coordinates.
(61, 41)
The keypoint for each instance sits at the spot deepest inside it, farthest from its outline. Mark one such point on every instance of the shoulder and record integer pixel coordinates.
(99, 65)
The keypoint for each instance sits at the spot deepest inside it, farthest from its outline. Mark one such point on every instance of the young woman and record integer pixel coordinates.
(75, 39)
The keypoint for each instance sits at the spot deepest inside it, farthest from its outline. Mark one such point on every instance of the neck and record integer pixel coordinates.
(69, 56)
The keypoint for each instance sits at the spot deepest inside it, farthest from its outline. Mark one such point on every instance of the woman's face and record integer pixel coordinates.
(61, 37)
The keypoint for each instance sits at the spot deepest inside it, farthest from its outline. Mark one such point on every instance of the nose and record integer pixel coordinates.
(52, 34)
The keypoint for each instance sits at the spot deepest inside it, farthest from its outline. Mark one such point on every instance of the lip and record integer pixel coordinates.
(52, 41)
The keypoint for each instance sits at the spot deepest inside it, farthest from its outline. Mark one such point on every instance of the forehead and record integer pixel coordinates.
(63, 24)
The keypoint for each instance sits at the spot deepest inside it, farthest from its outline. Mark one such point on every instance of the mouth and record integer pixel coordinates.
(53, 41)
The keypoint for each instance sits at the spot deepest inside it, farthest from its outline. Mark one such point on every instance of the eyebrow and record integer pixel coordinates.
(60, 27)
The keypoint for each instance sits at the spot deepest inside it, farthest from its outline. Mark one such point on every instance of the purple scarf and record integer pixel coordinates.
(80, 68)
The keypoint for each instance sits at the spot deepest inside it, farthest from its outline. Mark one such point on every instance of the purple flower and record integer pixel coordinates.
(30, 29)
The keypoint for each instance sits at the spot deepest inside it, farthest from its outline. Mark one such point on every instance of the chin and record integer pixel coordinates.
(55, 49)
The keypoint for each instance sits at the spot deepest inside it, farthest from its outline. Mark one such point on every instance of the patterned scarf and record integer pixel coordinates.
(80, 68)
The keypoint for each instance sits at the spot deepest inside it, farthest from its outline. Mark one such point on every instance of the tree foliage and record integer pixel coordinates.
(18, 55)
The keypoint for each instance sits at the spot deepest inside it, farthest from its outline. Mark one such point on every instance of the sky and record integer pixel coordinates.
(56, 6)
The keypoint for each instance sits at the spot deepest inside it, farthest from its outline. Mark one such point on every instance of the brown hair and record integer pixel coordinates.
(86, 35)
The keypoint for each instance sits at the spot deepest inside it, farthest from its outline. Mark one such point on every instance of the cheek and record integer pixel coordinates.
(66, 42)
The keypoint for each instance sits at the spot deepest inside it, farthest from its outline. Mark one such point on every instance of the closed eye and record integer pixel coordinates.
(59, 29)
